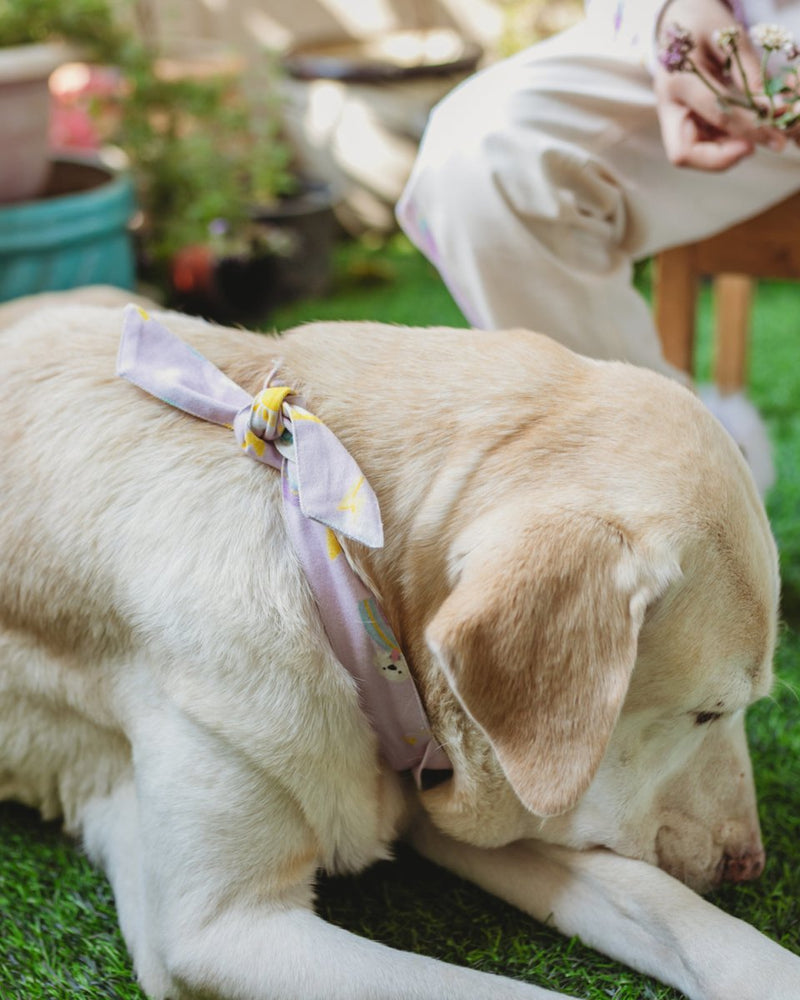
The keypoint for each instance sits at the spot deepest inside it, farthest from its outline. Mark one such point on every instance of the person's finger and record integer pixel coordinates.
(691, 92)
(689, 142)
(688, 91)
(716, 157)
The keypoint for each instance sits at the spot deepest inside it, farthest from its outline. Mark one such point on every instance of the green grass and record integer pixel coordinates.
(58, 933)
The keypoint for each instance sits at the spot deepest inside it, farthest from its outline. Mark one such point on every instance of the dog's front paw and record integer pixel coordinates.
(766, 972)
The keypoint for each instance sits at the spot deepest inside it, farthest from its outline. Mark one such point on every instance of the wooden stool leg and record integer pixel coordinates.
(676, 305)
(733, 293)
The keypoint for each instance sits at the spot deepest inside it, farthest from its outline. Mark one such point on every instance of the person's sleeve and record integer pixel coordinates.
(629, 22)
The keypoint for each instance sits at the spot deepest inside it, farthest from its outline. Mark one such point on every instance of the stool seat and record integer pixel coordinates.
(765, 246)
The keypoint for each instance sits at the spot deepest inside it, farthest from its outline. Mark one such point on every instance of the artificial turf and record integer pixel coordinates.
(58, 932)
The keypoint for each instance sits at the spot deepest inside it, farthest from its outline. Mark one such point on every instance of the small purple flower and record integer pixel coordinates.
(674, 54)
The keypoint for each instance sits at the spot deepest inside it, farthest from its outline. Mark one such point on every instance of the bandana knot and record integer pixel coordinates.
(266, 412)
(322, 475)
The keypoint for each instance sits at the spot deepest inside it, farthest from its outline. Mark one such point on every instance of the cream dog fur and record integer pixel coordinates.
(580, 572)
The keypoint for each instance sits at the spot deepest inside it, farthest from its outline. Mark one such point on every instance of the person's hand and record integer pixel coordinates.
(697, 131)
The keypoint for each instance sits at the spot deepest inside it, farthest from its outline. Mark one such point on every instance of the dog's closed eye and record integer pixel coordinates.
(703, 718)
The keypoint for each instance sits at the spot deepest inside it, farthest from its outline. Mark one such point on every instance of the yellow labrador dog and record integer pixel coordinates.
(581, 578)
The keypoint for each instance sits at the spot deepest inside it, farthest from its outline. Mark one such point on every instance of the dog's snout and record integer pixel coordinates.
(743, 867)
(732, 853)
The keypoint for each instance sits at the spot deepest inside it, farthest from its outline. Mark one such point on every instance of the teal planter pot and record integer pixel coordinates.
(76, 233)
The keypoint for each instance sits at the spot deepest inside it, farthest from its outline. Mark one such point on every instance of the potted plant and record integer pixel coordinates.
(64, 221)
(35, 38)
(206, 151)
(225, 212)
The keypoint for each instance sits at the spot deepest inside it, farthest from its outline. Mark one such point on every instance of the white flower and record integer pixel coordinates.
(771, 36)
(727, 38)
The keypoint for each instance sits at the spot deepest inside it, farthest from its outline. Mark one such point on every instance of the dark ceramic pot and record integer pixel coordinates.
(246, 287)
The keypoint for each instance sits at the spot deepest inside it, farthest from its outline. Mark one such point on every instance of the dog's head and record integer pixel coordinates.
(608, 619)
(582, 575)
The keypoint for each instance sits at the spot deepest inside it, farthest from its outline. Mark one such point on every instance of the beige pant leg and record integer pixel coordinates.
(540, 180)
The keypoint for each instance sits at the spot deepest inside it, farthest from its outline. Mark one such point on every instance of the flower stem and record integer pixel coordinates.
(745, 83)
(722, 99)
(765, 79)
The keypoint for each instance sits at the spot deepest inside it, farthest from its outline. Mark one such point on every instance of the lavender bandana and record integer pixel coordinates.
(325, 495)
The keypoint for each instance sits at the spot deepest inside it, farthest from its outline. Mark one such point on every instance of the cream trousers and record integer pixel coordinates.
(542, 179)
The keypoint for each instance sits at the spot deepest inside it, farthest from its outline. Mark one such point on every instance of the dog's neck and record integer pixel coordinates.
(326, 499)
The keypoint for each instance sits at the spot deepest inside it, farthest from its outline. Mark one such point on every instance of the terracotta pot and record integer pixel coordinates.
(25, 118)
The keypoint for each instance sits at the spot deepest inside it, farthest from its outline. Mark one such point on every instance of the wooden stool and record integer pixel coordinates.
(766, 246)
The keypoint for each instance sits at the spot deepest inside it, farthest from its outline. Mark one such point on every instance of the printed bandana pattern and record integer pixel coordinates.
(325, 496)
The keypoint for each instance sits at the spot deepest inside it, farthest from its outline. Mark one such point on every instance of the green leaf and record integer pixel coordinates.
(775, 85)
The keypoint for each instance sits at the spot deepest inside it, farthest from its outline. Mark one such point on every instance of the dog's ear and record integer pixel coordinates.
(538, 640)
